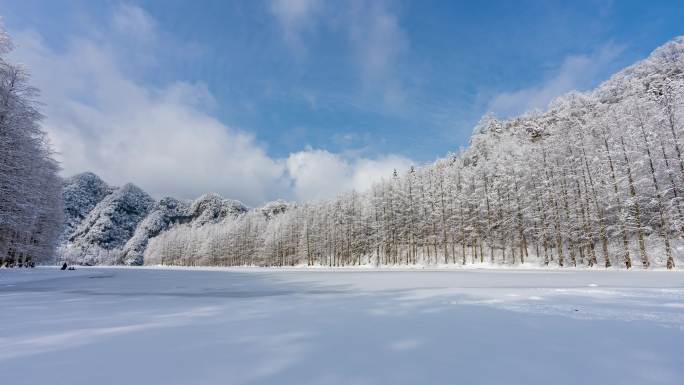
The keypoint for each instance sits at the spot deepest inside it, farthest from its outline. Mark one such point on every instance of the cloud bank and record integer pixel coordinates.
(318, 174)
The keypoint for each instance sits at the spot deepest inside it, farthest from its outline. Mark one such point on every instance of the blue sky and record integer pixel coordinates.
(303, 99)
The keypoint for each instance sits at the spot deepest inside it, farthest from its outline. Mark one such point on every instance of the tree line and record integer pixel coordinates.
(595, 180)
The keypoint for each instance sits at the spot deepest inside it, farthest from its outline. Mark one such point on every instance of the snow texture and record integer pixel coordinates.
(211, 208)
(81, 193)
(274, 326)
(167, 212)
(109, 225)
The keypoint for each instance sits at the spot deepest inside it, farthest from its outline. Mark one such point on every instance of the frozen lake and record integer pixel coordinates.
(251, 326)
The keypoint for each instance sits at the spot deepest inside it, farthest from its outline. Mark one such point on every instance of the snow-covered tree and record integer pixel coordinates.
(30, 190)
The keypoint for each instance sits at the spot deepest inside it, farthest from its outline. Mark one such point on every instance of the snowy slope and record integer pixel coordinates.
(110, 225)
(81, 193)
(269, 326)
(209, 208)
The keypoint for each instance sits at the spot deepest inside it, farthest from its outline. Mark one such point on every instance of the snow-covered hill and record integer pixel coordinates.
(112, 225)
(209, 208)
(108, 226)
(81, 194)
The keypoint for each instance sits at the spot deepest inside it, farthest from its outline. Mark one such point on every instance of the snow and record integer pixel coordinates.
(108, 226)
(340, 326)
(211, 208)
(81, 193)
(167, 211)
(111, 225)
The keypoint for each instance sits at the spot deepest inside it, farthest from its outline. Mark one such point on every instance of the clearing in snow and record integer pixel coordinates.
(287, 326)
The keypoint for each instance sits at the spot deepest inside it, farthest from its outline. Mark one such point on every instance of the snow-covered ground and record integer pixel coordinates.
(252, 326)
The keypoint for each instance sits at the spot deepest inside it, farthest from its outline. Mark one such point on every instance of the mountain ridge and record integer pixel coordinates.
(112, 225)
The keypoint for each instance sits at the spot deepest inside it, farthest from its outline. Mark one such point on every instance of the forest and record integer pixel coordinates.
(596, 180)
(30, 188)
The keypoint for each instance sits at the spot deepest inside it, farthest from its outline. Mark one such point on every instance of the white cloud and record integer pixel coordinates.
(164, 139)
(578, 72)
(319, 174)
(294, 17)
(133, 21)
(161, 139)
(368, 171)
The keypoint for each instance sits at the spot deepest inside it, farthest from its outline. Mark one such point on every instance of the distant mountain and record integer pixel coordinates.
(112, 225)
(209, 208)
(81, 194)
(108, 225)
